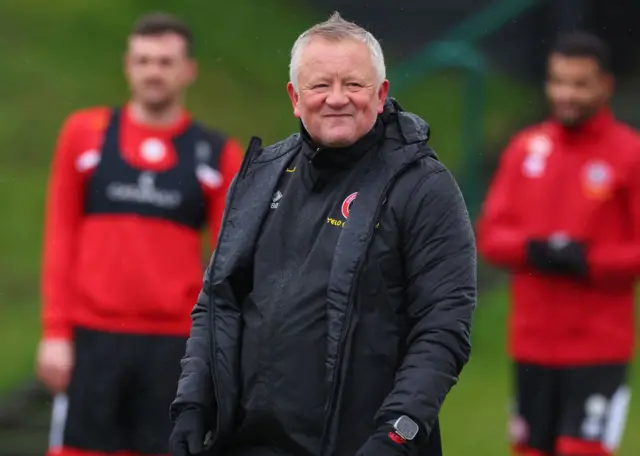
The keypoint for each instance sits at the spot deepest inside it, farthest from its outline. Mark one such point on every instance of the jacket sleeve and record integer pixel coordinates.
(62, 219)
(620, 261)
(440, 266)
(501, 239)
(195, 386)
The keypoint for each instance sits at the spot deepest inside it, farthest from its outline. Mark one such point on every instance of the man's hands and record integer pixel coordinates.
(54, 364)
(189, 431)
(385, 442)
(558, 255)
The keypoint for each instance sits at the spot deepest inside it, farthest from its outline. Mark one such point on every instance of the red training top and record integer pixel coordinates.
(584, 182)
(125, 202)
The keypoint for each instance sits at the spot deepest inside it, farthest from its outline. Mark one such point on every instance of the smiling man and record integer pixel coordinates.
(129, 192)
(336, 311)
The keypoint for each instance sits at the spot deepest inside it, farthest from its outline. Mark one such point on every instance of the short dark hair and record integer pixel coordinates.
(583, 44)
(160, 23)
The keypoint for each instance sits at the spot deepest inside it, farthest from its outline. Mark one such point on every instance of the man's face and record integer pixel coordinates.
(338, 97)
(158, 69)
(576, 87)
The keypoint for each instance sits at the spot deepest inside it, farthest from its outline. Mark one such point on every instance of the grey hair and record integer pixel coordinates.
(337, 29)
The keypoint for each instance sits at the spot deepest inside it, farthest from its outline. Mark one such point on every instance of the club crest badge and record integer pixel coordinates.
(597, 179)
(538, 150)
(346, 204)
(153, 150)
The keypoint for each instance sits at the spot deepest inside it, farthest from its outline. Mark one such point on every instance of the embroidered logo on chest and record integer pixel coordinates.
(345, 210)
(346, 204)
(597, 179)
(538, 151)
(275, 199)
(144, 192)
(153, 150)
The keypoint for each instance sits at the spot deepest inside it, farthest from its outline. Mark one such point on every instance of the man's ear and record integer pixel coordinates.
(610, 85)
(294, 97)
(126, 63)
(193, 70)
(383, 92)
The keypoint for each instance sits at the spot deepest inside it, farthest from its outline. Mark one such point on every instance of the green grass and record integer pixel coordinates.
(64, 55)
(474, 416)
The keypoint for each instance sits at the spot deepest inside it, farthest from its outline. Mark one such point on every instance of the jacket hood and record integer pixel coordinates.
(403, 125)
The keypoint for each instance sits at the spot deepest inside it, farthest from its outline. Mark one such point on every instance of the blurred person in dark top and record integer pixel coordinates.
(335, 314)
(130, 191)
(563, 216)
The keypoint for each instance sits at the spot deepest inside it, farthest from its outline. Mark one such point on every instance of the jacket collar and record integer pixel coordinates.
(339, 157)
(587, 130)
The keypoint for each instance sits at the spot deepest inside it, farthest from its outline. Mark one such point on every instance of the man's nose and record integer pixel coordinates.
(337, 97)
(567, 92)
(153, 67)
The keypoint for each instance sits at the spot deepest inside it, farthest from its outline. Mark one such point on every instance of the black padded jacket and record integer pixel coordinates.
(400, 299)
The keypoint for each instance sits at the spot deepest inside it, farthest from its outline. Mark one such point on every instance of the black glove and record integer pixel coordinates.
(188, 435)
(552, 257)
(385, 442)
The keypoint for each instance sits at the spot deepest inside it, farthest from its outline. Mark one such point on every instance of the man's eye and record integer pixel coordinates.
(354, 84)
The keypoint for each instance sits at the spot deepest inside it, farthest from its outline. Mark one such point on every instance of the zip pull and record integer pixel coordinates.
(315, 153)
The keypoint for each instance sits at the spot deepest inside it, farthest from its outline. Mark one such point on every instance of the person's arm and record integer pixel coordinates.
(440, 263)
(55, 358)
(620, 261)
(63, 213)
(228, 166)
(195, 386)
(501, 241)
(193, 410)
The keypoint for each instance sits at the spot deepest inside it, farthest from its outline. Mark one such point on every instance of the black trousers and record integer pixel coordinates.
(120, 392)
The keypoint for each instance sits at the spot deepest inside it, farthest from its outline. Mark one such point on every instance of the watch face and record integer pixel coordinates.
(407, 428)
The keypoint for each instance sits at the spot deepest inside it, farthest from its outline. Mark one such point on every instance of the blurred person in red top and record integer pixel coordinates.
(563, 216)
(130, 190)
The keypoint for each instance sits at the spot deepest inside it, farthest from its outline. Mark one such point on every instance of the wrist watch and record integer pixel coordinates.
(405, 427)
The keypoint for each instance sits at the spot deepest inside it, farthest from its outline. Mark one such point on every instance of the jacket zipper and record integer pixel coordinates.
(349, 315)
